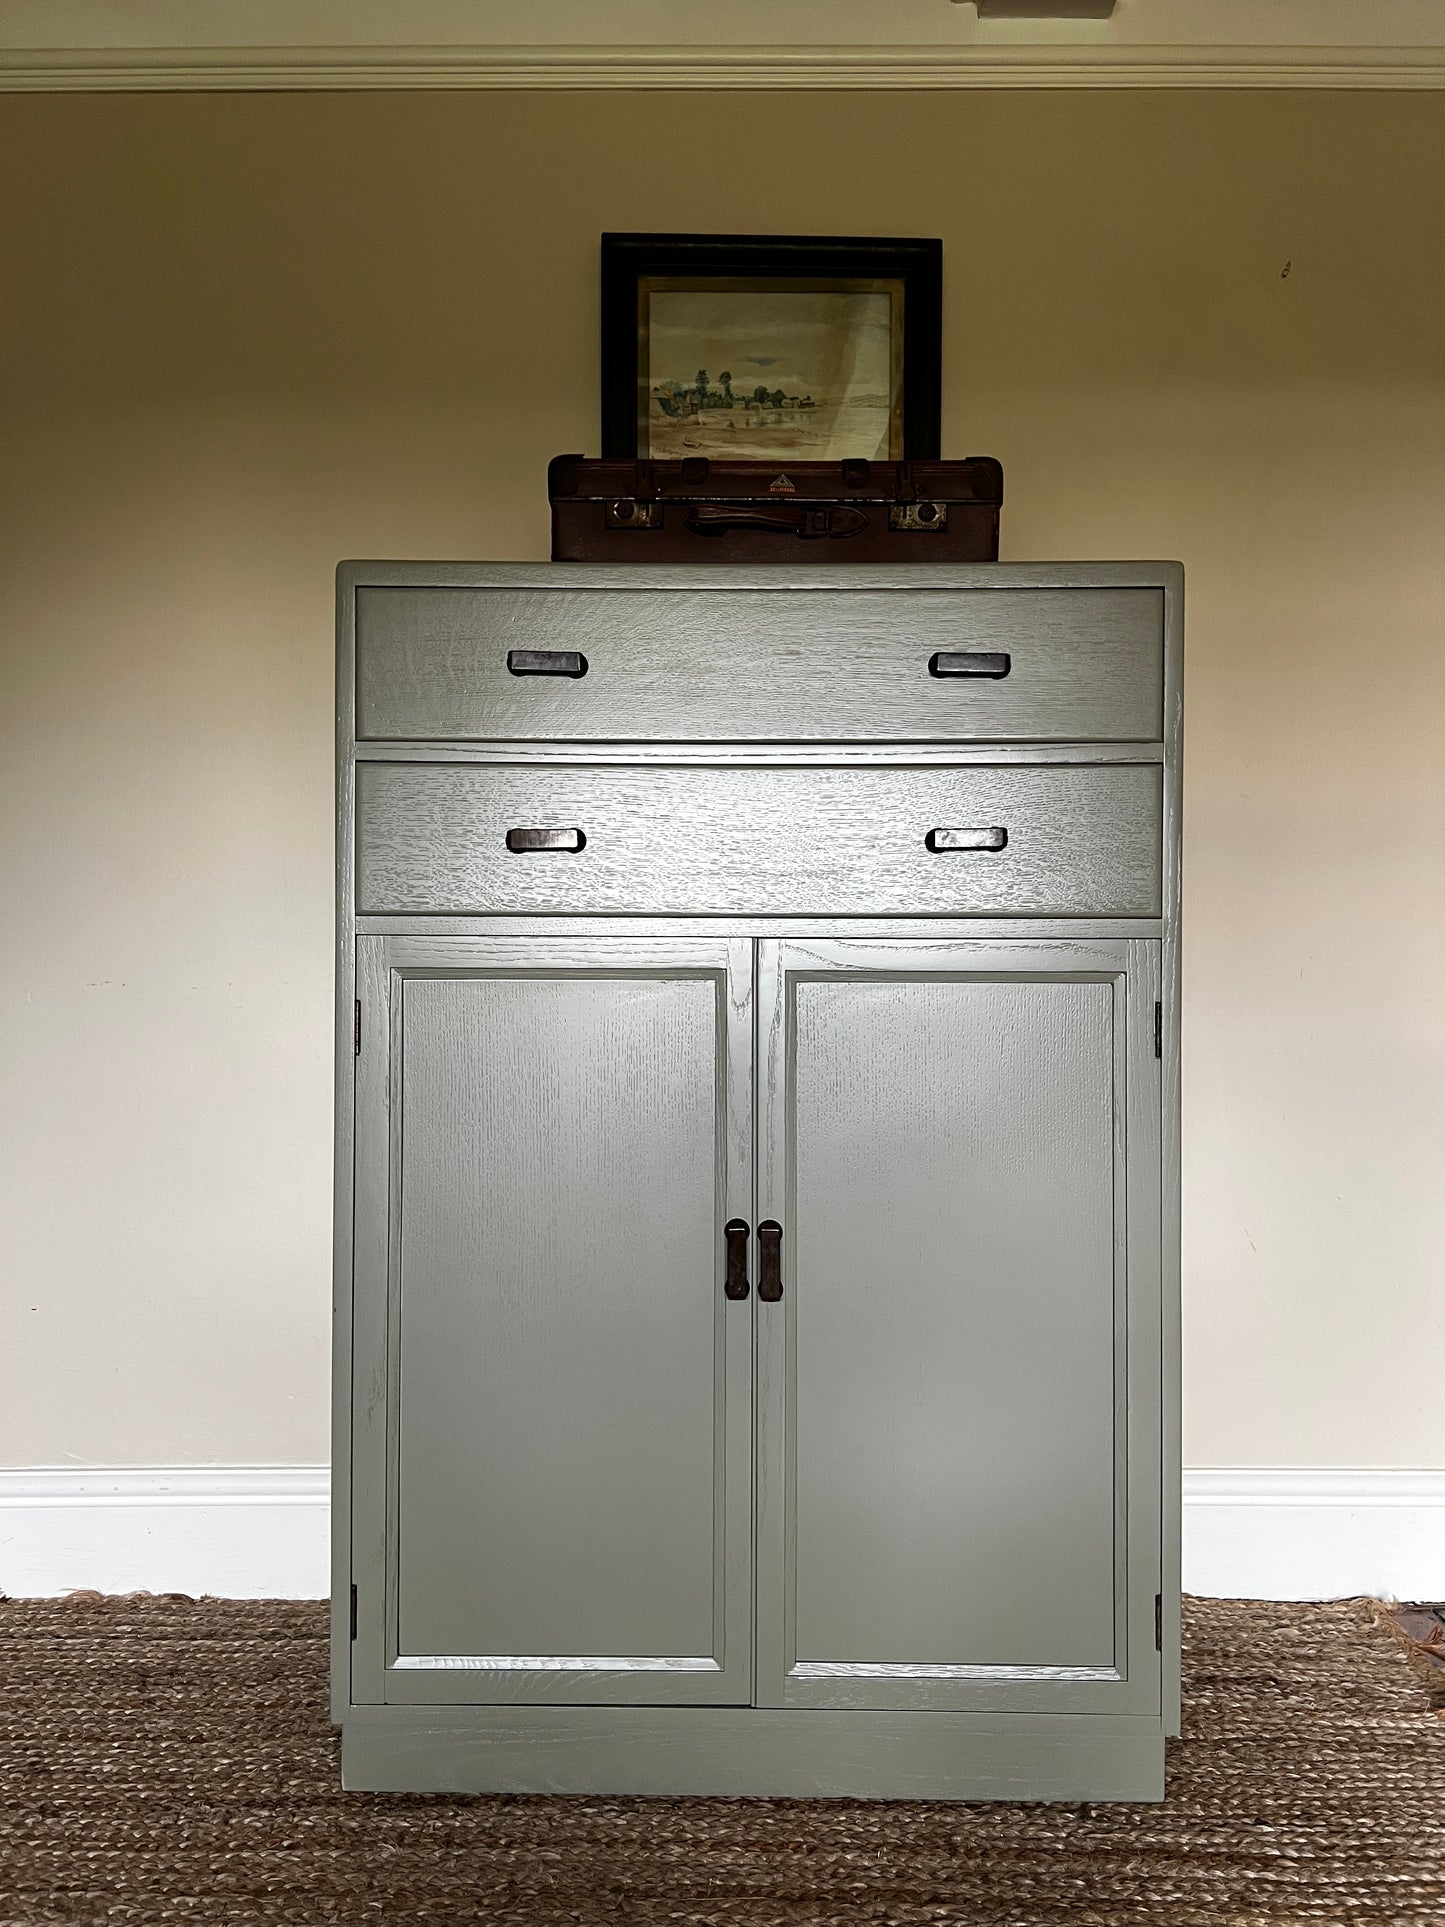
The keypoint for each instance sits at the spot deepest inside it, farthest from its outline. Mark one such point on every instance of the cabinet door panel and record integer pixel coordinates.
(560, 1136)
(959, 1484)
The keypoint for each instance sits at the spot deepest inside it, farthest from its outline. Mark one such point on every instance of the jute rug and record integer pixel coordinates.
(170, 1761)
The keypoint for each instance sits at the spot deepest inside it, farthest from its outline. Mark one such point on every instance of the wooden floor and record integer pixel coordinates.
(168, 1760)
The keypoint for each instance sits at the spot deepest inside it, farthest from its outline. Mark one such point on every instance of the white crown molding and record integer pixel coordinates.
(335, 68)
(261, 1531)
(839, 44)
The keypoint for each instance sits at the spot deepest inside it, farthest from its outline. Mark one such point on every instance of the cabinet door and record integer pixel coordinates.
(552, 1403)
(959, 1448)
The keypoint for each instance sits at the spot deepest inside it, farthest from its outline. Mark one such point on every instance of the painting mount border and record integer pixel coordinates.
(917, 263)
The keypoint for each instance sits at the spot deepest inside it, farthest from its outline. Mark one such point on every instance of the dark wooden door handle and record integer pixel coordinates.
(519, 841)
(735, 1284)
(770, 1261)
(943, 839)
(546, 662)
(990, 664)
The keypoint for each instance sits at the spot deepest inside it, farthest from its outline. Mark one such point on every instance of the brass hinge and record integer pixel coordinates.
(353, 1612)
(1158, 1030)
(356, 1029)
(1158, 1619)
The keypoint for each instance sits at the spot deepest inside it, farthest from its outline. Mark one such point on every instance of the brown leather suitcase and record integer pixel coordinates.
(699, 510)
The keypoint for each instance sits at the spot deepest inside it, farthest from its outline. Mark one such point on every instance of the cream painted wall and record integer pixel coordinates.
(246, 336)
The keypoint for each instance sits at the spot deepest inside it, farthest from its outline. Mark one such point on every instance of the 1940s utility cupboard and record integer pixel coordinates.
(757, 1179)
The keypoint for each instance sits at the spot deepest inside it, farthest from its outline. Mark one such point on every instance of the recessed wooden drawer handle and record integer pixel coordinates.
(991, 664)
(519, 840)
(960, 839)
(547, 662)
(735, 1283)
(770, 1261)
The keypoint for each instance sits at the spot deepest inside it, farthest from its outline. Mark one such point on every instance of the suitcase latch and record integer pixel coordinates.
(921, 518)
(627, 513)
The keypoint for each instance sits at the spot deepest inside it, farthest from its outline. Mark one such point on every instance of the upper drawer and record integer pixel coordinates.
(1025, 840)
(760, 665)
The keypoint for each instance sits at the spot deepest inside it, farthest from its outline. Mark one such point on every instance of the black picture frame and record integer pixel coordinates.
(918, 264)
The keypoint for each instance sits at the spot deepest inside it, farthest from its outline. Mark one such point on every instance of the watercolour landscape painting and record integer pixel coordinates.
(800, 372)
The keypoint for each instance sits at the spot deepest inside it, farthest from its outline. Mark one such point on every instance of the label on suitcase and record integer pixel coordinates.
(698, 510)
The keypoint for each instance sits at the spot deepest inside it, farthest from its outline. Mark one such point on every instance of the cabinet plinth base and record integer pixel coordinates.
(758, 1751)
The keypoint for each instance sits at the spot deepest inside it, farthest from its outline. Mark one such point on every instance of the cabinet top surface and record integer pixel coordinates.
(837, 576)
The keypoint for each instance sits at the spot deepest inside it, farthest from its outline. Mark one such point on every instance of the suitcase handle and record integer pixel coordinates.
(807, 523)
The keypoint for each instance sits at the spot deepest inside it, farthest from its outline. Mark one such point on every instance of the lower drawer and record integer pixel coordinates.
(1041, 839)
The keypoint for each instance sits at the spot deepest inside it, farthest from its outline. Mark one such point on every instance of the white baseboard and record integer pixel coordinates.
(1278, 1532)
(260, 1531)
(239, 1531)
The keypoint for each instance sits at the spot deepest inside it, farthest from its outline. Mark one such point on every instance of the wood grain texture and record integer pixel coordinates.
(948, 1408)
(343, 1159)
(741, 665)
(559, 1205)
(793, 578)
(568, 1127)
(1081, 841)
(921, 929)
(553, 750)
(1143, 1394)
(1171, 1228)
(952, 1429)
(759, 1751)
(369, 1348)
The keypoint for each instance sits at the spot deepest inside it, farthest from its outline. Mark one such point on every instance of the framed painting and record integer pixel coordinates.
(770, 347)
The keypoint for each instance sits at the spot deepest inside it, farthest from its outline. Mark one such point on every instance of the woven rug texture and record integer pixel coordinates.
(169, 1760)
